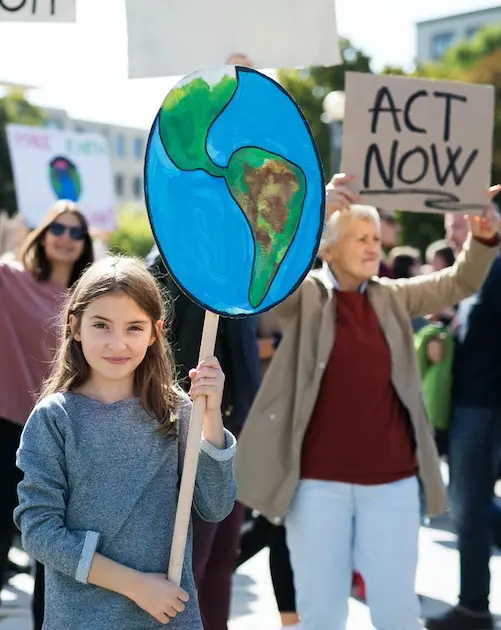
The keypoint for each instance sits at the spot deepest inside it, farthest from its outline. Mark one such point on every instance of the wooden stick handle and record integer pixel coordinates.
(183, 513)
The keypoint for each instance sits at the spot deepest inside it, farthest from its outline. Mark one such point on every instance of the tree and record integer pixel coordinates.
(14, 108)
(309, 88)
(133, 236)
(488, 70)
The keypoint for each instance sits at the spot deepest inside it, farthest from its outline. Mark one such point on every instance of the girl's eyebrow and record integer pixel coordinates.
(105, 319)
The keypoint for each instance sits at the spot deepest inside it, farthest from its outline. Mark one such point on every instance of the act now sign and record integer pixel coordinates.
(417, 144)
(49, 165)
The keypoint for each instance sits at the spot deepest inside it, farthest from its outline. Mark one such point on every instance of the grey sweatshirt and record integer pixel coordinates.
(99, 477)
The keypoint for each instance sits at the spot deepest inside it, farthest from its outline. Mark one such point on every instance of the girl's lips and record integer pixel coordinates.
(117, 360)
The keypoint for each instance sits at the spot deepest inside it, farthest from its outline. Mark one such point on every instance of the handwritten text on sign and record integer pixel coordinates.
(415, 144)
(37, 11)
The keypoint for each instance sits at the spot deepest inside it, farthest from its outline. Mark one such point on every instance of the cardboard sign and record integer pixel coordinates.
(38, 11)
(241, 183)
(49, 164)
(175, 37)
(417, 144)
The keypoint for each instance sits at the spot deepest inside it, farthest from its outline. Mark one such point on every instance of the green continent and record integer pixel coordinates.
(270, 190)
(186, 116)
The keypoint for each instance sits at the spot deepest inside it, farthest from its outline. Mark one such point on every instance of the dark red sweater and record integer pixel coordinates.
(360, 432)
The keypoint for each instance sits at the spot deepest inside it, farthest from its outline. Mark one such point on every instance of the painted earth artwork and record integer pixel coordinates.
(234, 190)
(65, 179)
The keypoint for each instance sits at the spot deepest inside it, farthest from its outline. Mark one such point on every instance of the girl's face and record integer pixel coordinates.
(64, 240)
(115, 334)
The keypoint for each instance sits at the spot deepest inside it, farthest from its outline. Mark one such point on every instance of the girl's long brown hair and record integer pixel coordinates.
(33, 251)
(154, 380)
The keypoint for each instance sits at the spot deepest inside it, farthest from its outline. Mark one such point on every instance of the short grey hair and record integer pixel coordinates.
(334, 225)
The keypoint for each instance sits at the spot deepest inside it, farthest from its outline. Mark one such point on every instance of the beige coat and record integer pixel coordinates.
(269, 451)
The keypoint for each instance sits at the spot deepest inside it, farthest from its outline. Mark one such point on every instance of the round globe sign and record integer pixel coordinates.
(234, 190)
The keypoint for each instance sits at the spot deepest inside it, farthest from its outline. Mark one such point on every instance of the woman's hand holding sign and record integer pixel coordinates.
(338, 194)
(487, 225)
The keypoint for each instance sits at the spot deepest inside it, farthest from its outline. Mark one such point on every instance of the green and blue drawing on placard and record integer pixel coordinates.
(65, 178)
(234, 190)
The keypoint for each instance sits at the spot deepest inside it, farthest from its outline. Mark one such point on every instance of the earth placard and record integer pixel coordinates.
(234, 190)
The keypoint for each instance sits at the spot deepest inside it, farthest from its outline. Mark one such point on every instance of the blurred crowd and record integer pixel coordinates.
(451, 336)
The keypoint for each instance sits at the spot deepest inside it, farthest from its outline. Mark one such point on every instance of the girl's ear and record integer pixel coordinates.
(157, 331)
(73, 326)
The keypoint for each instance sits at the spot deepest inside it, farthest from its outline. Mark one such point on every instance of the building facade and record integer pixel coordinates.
(127, 149)
(434, 37)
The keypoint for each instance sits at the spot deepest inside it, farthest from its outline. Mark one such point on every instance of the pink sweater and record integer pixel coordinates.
(29, 320)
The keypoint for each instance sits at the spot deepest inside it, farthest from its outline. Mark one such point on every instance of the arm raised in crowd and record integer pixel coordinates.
(431, 293)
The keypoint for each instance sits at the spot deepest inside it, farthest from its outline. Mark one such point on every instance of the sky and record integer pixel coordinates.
(82, 67)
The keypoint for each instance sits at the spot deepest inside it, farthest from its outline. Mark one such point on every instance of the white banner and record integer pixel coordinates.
(176, 37)
(38, 11)
(49, 164)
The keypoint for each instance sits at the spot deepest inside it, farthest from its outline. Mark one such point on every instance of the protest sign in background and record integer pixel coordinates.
(50, 164)
(38, 11)
(417, 144)
(175, 37)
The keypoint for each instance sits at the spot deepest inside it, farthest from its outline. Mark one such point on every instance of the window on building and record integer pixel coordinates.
(138, 148)
(440, 43)
(53, 123)
(79, 129)
(120, 145)
(119, 185)
(471, 31)
(137, 187)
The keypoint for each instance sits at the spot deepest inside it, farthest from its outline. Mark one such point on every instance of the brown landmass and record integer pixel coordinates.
(271, 187)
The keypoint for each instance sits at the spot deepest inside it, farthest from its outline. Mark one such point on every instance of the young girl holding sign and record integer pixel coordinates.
(102, 455)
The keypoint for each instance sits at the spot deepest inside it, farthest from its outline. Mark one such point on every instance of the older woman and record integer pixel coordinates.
(338, 434)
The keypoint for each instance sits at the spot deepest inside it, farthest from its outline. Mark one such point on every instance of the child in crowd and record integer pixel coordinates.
(102, 455)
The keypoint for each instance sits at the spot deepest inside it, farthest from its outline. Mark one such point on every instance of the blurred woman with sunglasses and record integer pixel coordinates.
(31, 291)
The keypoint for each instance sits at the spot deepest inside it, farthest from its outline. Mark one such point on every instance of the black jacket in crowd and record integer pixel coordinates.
(236, 349)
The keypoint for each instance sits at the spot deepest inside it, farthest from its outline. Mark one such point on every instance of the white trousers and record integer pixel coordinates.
(334, 528)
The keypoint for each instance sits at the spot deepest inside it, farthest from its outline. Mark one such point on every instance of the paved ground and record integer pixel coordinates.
(253, 603)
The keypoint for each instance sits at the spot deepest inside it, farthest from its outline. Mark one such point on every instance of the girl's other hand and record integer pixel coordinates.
(160, 598)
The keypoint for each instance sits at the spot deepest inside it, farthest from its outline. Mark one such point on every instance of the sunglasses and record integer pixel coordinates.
(77, 233)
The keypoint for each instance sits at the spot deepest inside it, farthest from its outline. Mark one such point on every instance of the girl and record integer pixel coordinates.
(102, 455)
(31, 291)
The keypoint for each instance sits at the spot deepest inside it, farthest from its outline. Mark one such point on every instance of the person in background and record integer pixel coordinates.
(215, 545)
(390, 231)
(342, 446)
(12, 235)
(440, 255)
(404, 261)
(31, 292)
(474, 443)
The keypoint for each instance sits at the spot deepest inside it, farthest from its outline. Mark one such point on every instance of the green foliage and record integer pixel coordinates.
(309, 88)
(133, 236)
(419, 229)
(395, 71)
(467, 53)
(14, 108)
(488, 70)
